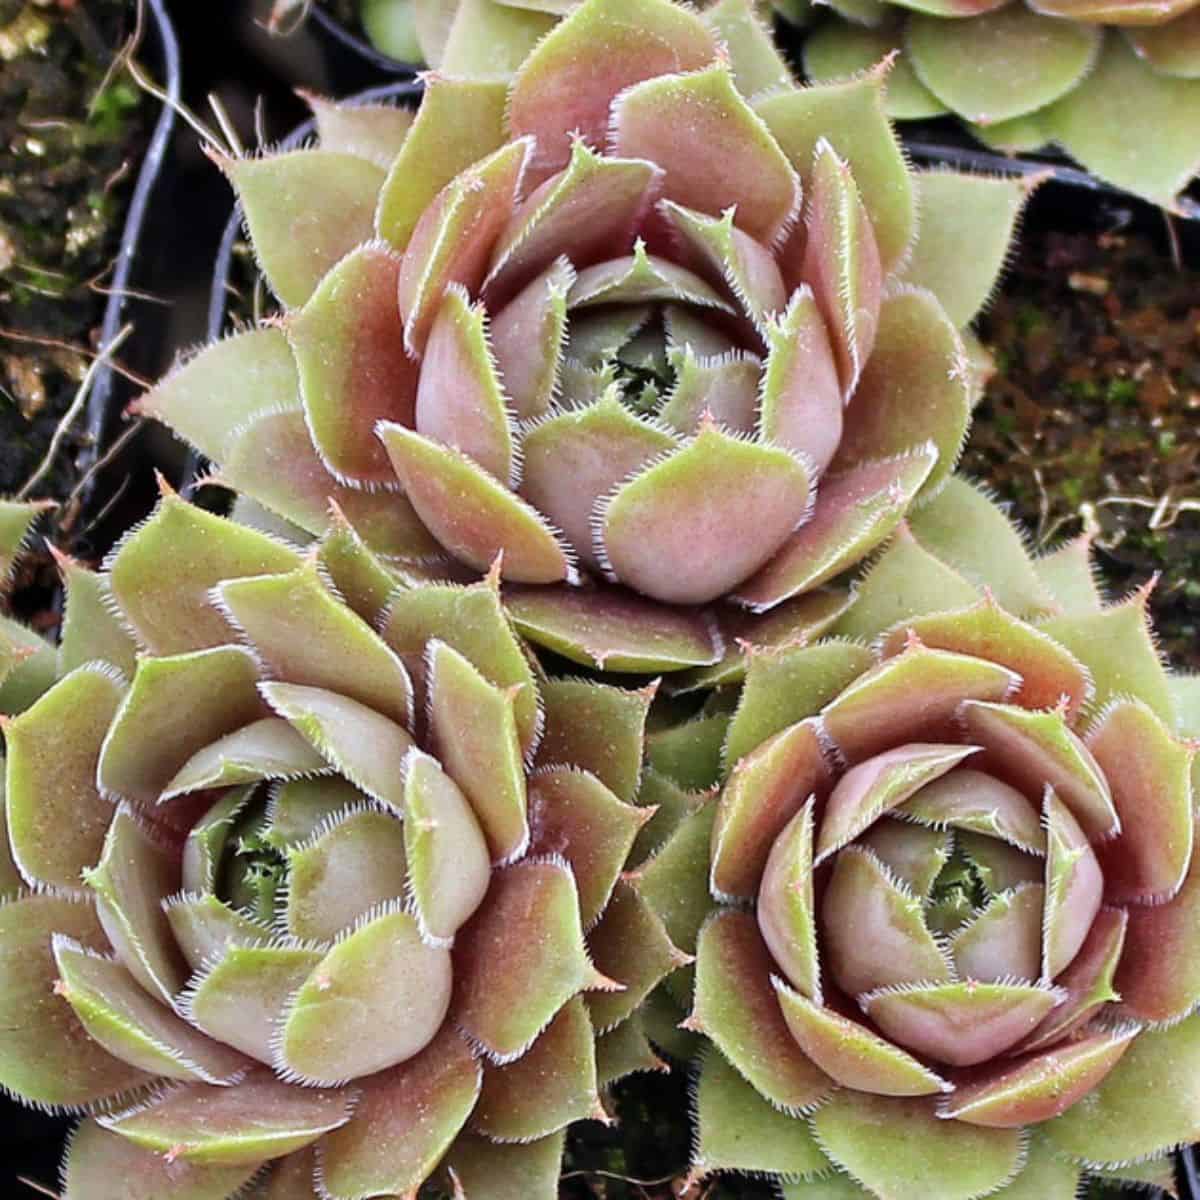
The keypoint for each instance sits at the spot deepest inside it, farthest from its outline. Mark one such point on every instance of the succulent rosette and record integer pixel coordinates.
(945, 904)
(651, 322)
(1026, 76)
(294, 899)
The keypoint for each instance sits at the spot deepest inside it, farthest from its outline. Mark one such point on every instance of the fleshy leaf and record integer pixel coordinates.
(275, 463)
(1159, 973)
(454, 236)
(1031, 750)
(593, 209)
(302, 634)
(483, 1170)
(1149, 773)
(372, 131)
(56, 816)
(353, 369)
(855, 512)
(1087, 123)
(914, 389)
(851, 115)
(473, 622)
(765, 791)
(1045, 672)
(363, 745)
(900, 1149)
(737, 1008)
(738, 1130)
(521, 958)
(118, 1014)
(1172, 48)
(473, 726)
(613, 629)
(204, 927)
(46, 1056)
(376, 999)
(787, 685)
(1004, 942)
(347, 867)
(1149, 1101)
(460, 400)
(242, 990)
(101, 1165)
(551, 1085)
(259, 1119)
(912, 696)
(959, 1023)
(404, 1120)
(1038, 1087)
(1117, 646)
(189, 700)
(882, 783)
(567, 84)
(459, 122)
(575, 456)
(473, 515)
(969, 220)
(630, 945)
(207, 398)
(1068, 573)
(91, 631)
(851, 1054)
(914, 855)
(965, 528)
(1001, 64)
(757, 65)
(653, 528)
(305, 210)
(801, 403)
(162, 572)
(875, 931)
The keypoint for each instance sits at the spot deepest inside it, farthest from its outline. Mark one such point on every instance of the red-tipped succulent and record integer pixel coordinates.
(651, 319)
(292, 899)
(952, 886)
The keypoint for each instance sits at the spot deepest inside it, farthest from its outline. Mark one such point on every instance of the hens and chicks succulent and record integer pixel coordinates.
(328, 874)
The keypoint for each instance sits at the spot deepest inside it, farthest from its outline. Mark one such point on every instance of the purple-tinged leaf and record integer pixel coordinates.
(101, 1165)
(204, 927)
(1074, 886)
(737, 1008)
(959, 1023)
(376, 999)
(671, 533)
(481, 1169)
(404, 1120)
(854, 513)
(118, 1014)
(566, 86)
(874, 929)
(353, 369)
(521, 958)
(850, 1054)
(46, 1056)
(972, 800)
(786, 909)
(1004, 942)
(259, 1119)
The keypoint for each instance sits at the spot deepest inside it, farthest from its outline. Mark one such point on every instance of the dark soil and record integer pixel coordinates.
(71, 131)
(1090, 422)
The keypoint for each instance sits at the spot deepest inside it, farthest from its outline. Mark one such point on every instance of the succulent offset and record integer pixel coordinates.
(293, 900)
(674, 354)
(945, 905)
(1024, 77)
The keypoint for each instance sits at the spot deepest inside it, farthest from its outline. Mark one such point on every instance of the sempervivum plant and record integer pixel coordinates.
(946, 906)
(1025, 76)
(294, 900)
(615, 322)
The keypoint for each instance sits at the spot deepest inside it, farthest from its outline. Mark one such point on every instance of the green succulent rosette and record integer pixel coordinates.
(944, 901)
(1026, 76)
(650, 323)
(311, 879)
